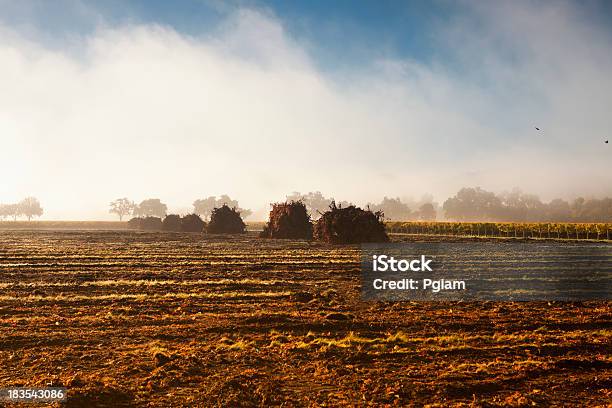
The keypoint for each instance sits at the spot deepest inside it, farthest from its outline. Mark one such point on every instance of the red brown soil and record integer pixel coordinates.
(154, 319)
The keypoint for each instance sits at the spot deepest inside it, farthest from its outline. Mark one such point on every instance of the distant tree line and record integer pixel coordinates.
(469, 204)
(154, 207)
(476, 204)
(29, 207)
(393, 208)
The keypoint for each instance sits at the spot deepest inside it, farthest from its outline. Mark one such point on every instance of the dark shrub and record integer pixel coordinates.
(192, 223)
(172, 222)
(225, 220)
(151, 224)
(288, 220)
(135, 223)
(350, 225)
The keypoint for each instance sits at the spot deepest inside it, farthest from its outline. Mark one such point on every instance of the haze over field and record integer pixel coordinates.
(257, 101)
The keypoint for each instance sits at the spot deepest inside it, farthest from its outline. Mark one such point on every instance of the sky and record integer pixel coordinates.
(356, 99)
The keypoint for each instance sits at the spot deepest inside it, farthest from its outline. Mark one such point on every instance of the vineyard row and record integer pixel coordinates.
(577, 231)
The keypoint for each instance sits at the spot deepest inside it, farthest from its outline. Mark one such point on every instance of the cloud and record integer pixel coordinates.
(145, 111)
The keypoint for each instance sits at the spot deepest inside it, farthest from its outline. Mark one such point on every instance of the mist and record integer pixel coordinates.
(245, 109)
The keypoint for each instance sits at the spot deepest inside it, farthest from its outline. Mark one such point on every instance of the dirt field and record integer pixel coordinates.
(160, 319)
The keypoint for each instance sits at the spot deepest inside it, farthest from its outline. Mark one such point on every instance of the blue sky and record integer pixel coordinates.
(409, 98)
(336, 28)
(338, 35)
(336, 32)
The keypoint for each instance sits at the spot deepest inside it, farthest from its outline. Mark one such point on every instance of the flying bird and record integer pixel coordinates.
(537, 128)
(606, 141)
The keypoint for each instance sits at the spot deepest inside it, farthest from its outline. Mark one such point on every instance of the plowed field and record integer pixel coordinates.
(159, 319)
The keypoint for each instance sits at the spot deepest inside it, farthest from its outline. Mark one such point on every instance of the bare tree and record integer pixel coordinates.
(30, 207)
(13, 210)
(122, 207)
(10, 210)
(5, 211)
